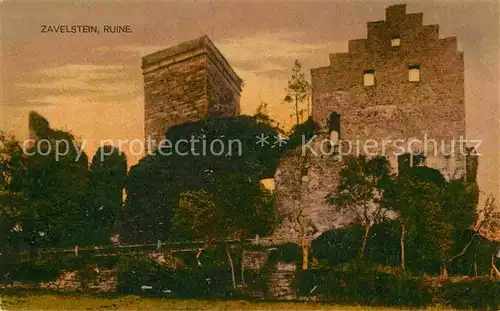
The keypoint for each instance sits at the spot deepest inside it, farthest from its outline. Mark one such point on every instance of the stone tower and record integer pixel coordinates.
(401, 82)
(186, 83)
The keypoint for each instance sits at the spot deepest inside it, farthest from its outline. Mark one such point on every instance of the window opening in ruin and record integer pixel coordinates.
(414, 73)
(418, 159)
(396, 41)
(404, 162)
(334, 123)
(407, 160)
(369, 78)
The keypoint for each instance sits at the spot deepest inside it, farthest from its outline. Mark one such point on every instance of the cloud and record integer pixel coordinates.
(135, 49)
(273, 54)
(88, 83)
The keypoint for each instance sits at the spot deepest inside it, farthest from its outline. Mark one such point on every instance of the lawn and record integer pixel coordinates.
(51, 301)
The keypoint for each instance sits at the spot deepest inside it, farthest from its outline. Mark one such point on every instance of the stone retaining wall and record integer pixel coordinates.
(102, 281)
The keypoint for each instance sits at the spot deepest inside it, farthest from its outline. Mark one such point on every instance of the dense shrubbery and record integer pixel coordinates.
(257, 281)
(355, 285)
(301, 132)
(362, 286)
(290, 252)
(477, 294)
(28, 271)
(136, 275)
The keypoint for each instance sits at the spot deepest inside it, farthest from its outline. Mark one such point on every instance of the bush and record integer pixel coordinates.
(363, 286)
(290, 252)
(38, 271)
(257, 281)
(338, 246)
(476, 294)
(301, 131)
(140, 275)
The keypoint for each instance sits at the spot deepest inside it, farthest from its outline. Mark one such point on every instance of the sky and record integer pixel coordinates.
(92, 84)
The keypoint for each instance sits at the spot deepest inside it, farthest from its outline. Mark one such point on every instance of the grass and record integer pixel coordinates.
(34, 300)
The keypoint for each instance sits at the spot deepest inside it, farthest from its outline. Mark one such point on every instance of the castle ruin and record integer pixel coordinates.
(403, 83)
(186, 83)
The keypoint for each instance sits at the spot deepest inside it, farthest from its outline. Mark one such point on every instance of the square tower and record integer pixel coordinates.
(186, 83)
(401, 82)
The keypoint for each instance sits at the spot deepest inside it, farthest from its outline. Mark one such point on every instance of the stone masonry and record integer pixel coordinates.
(302, 181)
(186, 83)
(395, 107)
(104, 281)
(392, 108)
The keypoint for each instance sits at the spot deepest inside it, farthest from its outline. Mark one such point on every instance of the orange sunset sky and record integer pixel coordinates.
(92, 84)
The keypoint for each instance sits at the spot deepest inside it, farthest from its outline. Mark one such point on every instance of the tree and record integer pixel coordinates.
(360, 189)
(408, 195)
(262, 115)
(107, 174)
(154, 185)
(298, 91)
(438, 215)
(461, 201)
(338, 246)
(238, 208)
(55, 185)
(301, 132)
(300, 222)
(485, 223)
(13, 204)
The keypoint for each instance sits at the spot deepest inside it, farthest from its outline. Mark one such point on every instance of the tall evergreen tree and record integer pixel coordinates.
(107, 175)
(298, 92)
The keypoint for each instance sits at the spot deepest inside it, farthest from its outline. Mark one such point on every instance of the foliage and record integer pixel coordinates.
(435, 215)
(49, 188)
(360, 285)
(196, 216)
(361, 185)
(301, 133)
(29, 271)
(236, 210)
(383, 247)
(298, 91)
(107, 173)
(155, 184)
(479, 294)
(290, 252)
(257, 281)
(476, 260)
(13, 202)
(338, 246)
(262, 115)
(136, 274)
(48, 196)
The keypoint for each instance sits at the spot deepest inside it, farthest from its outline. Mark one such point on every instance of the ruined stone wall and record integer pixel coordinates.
(281, 281)
(104, 280)
(395, 108)
(280, 278)
(303, 181)
(186, 83)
